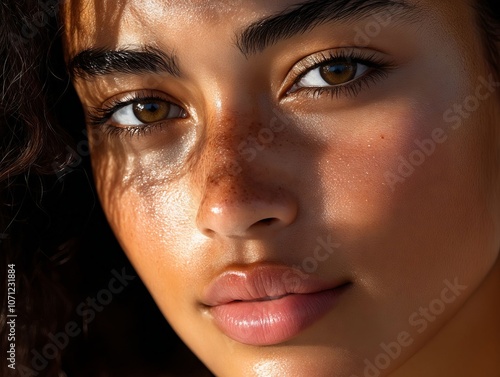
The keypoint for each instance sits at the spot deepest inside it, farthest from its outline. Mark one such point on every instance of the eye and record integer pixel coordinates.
(335, 72)
(148, 111)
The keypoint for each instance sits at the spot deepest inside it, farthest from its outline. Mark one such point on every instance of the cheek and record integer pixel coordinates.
(410, 181)
(149, 212)
(152, 225)
(410, 202)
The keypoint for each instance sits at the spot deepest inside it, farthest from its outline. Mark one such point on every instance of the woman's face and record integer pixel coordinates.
(304, 187)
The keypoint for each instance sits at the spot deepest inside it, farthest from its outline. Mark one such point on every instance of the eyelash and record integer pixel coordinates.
(98, 117)
(378, 69)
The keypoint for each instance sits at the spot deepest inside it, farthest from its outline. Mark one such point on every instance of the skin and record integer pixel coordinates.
(184, 214)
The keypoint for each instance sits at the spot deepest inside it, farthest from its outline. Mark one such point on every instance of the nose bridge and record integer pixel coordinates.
(233, 116)
(239, 193)
(226, 136)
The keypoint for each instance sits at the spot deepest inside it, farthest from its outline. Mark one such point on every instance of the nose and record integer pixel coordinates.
(234, 210)
(253, 201)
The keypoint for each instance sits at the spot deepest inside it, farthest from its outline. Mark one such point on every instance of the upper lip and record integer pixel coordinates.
(264, 282)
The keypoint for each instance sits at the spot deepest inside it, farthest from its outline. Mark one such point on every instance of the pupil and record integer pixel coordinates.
(337, 69)
(151, 107)
(151, 111)
(339, 72)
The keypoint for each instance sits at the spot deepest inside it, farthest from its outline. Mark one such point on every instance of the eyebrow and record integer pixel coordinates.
(93, 62)
(296, 19)
(307, 15)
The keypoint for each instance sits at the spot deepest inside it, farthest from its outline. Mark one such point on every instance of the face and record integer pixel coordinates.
(299, 195)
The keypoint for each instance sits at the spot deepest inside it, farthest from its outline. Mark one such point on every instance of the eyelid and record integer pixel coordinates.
(122, 112)
(359, 74)
(101, 115)
(372, 58)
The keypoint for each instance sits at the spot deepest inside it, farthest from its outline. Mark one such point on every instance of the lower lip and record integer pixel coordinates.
(261, 323)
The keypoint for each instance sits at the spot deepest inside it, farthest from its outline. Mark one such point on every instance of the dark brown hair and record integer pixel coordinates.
(31, 146)
(488, 14)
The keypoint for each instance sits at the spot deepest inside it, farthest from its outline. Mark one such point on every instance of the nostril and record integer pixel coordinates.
(244, 214)
(267, 221)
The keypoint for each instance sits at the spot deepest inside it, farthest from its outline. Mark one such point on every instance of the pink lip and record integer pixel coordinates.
(268, 305)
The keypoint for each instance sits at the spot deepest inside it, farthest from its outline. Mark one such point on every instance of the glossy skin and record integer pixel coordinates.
(186, 202)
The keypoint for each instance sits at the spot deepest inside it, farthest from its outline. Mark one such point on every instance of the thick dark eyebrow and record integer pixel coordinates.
(131, 60)
(304, 16)
(256, 37)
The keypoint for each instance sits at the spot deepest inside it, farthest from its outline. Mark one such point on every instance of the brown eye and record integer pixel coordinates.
(151, 111)
(339, 72)
(146, 111)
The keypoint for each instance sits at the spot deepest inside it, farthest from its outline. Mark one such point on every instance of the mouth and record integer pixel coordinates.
(268, 305)
(265, 298)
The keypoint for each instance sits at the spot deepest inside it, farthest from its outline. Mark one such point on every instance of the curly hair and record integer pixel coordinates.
(33, 144)
(30, 139)
(488, 14)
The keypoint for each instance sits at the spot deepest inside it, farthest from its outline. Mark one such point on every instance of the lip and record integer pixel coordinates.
(268, 305)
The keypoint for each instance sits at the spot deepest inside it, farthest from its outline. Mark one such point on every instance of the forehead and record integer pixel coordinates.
(114, 22)
(179, 25)
(203, 9)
